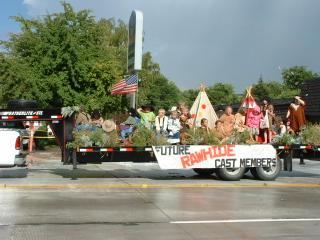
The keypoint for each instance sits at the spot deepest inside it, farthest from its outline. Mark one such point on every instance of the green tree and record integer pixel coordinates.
(272, 89)
(295, 76)
(219, 93)
(222, 93)
(188, 96)
(154, 87)
(66, 58)
(260, 89)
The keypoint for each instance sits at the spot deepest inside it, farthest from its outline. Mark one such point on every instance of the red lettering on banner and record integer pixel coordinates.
(193, 159)
(208, 153)
(221, 151)
(214, 149)
(185, 160)
(230, 151)
(200, 156)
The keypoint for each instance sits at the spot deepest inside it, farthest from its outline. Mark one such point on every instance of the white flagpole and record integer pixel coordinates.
(136, 93)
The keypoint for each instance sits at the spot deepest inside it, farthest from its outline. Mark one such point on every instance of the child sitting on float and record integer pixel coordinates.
(174, 127)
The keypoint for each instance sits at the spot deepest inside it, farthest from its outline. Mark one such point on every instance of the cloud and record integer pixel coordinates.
(41, 7)
(217, 40)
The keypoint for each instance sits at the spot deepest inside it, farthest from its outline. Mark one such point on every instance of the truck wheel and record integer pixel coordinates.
(267, 173)
(230, 174)
(204, 172)
(22, 104)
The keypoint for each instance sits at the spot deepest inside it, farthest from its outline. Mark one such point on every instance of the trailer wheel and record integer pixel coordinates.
(230, 174)
(22, 104)
(267, 173)
(204, 172)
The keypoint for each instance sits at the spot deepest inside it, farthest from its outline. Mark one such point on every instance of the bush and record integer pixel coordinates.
(194, 137)
(69, 111)
(197, 136)
(98, 138)
(311, 135)
(285, 139)
(239, 138)
(143, 136)
(211, 139)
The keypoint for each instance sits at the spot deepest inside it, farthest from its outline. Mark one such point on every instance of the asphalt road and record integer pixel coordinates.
(140, 201)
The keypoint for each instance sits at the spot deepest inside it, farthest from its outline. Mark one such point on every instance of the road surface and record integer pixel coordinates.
(140, 201)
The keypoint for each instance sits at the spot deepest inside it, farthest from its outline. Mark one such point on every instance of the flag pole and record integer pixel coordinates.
(133, 97)
(136, 93)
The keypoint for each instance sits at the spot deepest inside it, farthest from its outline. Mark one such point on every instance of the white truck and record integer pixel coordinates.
(12, 135)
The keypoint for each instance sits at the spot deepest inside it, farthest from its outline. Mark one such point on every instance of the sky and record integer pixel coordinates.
(207, 41)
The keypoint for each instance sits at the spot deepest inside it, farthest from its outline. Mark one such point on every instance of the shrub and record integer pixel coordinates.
(311, 135)
(285, 139)
(143, 136)
(99, 138)
(211, 139)
(197, 136)
(239, 138)
(193, 137)
(68, 111)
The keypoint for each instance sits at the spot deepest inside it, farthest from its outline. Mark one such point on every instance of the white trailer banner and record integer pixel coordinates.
(224, 156)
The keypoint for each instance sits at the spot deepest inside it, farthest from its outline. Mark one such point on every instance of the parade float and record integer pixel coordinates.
(206, 154)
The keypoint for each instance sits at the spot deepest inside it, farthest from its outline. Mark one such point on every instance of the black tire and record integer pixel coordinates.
(267, 174)
(22, 104)
(204, 172)
(230, 174)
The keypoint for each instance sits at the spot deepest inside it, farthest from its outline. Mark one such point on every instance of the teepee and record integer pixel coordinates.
(202, 108)
(249, 102)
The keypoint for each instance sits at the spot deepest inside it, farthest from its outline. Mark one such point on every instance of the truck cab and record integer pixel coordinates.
(12, 135)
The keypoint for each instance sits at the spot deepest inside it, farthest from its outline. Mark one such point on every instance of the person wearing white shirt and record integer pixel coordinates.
(161, 122)
(174, 127)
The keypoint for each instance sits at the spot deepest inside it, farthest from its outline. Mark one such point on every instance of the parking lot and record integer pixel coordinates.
(49, 200)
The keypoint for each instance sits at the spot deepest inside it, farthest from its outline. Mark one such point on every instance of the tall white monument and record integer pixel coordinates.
(135, 47)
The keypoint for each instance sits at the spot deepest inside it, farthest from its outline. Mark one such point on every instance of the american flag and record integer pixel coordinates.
(124, 86)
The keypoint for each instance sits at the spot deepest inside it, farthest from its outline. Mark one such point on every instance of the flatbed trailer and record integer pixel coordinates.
(63, 128)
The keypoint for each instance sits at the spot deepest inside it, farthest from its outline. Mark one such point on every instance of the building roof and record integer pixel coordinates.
(310, 92)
